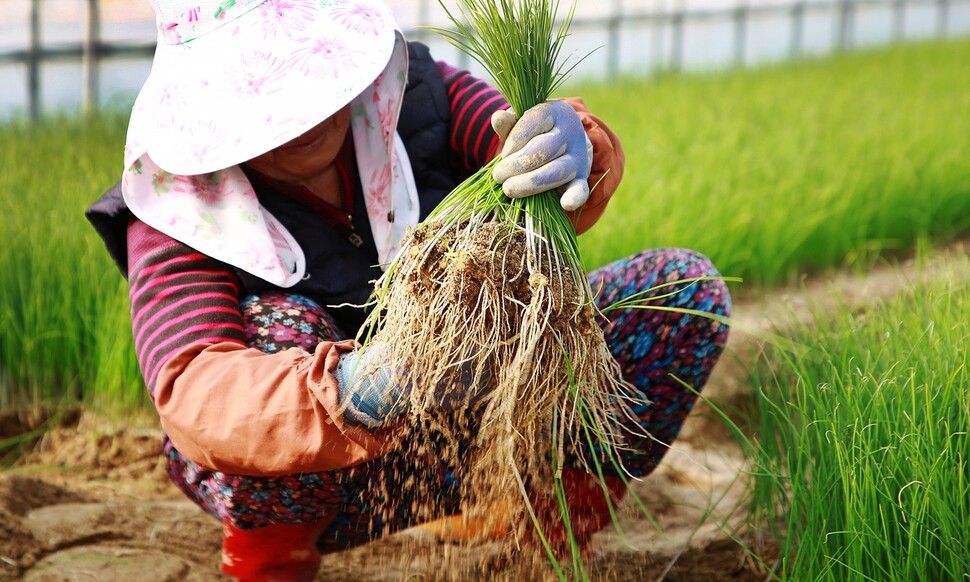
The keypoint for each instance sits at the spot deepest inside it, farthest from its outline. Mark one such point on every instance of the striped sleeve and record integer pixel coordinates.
(179, 298)
(472, 102)
(226, 406)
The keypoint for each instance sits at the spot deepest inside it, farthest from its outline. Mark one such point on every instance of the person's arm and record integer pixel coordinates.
(473, 101)
(226, 406)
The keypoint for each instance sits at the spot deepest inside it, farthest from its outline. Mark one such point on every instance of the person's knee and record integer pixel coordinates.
(706, 286)
(278, 321)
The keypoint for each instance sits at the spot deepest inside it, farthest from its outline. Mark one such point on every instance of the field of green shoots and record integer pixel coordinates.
(779, 171)
(64, 324)
(863, 467)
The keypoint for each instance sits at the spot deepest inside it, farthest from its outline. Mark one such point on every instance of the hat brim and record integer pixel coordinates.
(256, 83)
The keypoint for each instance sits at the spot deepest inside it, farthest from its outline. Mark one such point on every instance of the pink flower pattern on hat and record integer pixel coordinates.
(359, 17)
(211, 188)
(180, 21)
(204, 137)
(387, 114)
(324, 57)
(284, 16)
(255, 73)
(379, 187)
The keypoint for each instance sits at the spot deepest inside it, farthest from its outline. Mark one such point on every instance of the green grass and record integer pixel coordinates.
(794, 168)
(769, 172)
(64, 323)
(863, 463)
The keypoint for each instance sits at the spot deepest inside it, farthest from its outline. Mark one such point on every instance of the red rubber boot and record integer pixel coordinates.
(589, 511)
(283, 552)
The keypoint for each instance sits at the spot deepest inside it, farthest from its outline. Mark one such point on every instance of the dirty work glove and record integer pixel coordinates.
(364, 385)
(547, 148)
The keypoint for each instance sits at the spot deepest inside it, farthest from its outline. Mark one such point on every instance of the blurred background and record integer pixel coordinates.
(61, 55)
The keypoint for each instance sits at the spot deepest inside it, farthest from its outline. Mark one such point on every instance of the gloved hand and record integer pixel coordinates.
(366, 386)
(547, 148)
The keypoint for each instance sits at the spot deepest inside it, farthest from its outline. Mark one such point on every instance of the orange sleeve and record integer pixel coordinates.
(607, 167)
(261, 414)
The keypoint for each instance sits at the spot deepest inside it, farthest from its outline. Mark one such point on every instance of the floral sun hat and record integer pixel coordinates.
(233, 79)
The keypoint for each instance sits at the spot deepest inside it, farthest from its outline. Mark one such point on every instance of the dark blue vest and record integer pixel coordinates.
(337, 271)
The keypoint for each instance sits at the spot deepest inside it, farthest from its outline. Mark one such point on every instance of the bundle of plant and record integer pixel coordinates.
(488, 302)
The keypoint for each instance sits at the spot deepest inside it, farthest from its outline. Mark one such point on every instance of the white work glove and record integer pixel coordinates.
(365, 387)
(546, 149)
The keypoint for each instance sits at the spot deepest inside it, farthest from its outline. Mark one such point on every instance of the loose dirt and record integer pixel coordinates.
(90, 499)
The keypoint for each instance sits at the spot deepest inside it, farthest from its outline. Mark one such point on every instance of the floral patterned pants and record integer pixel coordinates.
(659, 352)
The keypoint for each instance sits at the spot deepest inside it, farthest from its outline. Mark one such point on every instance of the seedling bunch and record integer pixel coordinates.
(490, 293)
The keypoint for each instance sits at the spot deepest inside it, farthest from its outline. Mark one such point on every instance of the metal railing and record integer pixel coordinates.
(669, 26)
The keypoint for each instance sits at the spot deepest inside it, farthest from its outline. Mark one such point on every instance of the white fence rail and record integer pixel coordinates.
(630, 38)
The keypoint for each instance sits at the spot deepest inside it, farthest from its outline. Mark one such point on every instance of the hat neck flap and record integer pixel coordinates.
(219, 215)
(390, 193)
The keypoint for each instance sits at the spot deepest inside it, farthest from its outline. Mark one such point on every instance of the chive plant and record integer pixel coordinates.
(862, 463)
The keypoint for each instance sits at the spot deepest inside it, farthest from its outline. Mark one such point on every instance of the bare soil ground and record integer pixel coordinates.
(90, 499)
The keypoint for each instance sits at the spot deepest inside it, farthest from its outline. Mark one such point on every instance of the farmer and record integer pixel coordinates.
(275, 157)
